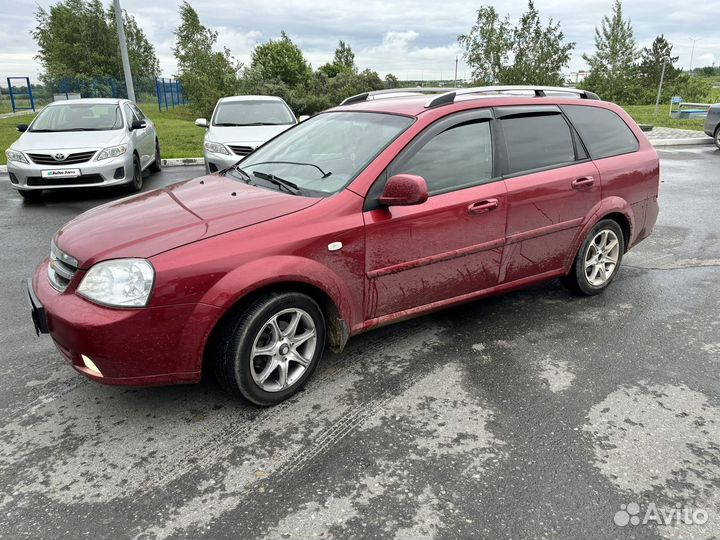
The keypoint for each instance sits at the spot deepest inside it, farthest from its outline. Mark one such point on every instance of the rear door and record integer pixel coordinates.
(552, 186)
(451, 245)
(148, 135)
(139, 137)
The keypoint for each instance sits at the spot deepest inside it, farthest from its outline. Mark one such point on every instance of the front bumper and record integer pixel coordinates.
(108, 172)
(217, 162)
(133, 347)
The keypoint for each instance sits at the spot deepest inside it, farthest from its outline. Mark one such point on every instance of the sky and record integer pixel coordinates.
(411, 39)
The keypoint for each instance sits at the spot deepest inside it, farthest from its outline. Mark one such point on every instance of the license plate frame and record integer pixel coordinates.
(60, 173)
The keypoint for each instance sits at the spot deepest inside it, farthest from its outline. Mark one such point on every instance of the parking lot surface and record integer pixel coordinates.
(534, 414)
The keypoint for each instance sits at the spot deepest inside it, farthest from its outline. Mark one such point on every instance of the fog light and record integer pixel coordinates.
(13, 179)
(90, 364)
(119, 173)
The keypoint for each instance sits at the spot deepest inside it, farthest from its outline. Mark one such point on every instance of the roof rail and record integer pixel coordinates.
(366, 96)
(540, 91)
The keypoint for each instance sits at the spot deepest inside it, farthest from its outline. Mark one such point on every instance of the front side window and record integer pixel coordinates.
(254, 112)
(78, 117)
(604, 133)
(325, 153)
(537, 142)
(455, 158)
(130, 115)
(138, 113)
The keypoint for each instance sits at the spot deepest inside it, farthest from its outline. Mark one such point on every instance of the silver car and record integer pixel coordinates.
(240, 124)
(83, 143)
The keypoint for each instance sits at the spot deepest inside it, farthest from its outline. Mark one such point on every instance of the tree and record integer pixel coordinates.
(206, 74)
(78, 38)
(612, 67)
(526, 53)
(651, 66)
(343, 61)
(281, 61)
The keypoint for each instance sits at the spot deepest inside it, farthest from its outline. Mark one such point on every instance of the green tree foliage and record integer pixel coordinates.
(612, 66)
(344, 61)
(280, 61)
(527, 53)
(78, 38)
(206, 74)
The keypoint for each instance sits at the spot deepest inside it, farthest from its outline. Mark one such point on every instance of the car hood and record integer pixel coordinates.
(150, 223)
(30, 141)
(244, 134)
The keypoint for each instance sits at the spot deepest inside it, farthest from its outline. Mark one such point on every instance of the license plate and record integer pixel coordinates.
(60, 173)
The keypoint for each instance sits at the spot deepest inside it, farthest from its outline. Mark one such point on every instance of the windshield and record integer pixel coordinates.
(253, 113)
(79, 117)
(325, 153)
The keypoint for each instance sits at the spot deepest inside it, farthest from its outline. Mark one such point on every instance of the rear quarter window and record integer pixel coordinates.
(604, 133)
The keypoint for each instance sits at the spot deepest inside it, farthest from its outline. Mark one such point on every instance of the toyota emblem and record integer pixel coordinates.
(59, 156)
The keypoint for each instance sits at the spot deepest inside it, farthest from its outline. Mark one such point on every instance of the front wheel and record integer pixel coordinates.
(598, 260)
(136, 183)
(267, 352)
(156, 165)
(717, 137)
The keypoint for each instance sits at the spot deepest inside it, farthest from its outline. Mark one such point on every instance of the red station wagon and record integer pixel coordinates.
(386, 207)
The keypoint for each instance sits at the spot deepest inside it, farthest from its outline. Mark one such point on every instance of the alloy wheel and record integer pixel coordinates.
(602, 257)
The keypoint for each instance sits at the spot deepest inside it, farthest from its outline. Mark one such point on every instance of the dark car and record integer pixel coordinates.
(712, 123)
(384, 208)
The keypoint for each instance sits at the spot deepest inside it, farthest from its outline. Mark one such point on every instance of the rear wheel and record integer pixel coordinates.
(136, 183)
(598, 260)
(31, 195)
(156, 165)
(267, 352)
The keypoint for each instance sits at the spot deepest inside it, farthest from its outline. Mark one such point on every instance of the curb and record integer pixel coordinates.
(681, 142)
(189, 162)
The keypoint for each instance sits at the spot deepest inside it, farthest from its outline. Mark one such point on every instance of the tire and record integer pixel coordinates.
(31, 195)
(156, 165)
(238, 359)
(136, 183)
(717, 137)
(589, 274)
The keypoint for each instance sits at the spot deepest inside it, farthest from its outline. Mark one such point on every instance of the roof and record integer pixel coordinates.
(89, 101)
(416, 105)
(250, 98)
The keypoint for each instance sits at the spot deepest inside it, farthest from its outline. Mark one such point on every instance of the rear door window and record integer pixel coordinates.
(537, 142)
(604, 133)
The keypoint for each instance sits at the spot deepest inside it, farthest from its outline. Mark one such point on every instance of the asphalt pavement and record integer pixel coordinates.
(534, 414)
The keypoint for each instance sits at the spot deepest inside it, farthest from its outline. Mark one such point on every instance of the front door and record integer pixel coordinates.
(452, 244)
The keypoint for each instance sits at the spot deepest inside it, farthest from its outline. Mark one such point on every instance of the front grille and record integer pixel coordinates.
(61, 269)
(70, 159)
(241, 150)
(79, 180)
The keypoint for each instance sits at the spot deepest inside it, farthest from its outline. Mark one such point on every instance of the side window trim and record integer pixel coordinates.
(529, 111)
(418, 142)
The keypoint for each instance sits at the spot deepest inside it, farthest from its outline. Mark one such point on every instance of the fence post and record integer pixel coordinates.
(165, 94)
(10, 91)
(32, 99)
(157, 93)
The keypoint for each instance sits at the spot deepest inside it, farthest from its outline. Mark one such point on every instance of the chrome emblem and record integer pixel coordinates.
(59, 156)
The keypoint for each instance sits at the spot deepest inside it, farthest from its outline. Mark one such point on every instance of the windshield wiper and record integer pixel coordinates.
(324, 174)
(228, 124)
(289, 186)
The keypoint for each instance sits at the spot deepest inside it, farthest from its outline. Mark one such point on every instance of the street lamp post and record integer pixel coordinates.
(662, 78)
(124, 51)
(692, 52)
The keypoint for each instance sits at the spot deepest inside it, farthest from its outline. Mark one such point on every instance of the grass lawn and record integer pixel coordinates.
(180, 137)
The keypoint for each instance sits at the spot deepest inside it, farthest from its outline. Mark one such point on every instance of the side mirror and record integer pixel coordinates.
(404, 190)
(138, 124)
(303, 117)
(22, 128)
(201, 122)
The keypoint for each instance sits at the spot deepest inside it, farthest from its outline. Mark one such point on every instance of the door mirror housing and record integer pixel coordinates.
(22, 128)
(138, 124)
(201, 122)
(404, 190)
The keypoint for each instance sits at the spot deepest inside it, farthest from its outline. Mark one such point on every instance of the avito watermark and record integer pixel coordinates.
(631, 514)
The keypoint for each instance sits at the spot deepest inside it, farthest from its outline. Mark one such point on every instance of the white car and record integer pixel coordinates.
(83, 143)
(239, 125)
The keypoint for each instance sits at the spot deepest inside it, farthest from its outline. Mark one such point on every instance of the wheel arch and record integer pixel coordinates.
(622, 220)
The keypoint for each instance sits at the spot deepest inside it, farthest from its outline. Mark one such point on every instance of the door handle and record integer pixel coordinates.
(583, 181)
(483, 206)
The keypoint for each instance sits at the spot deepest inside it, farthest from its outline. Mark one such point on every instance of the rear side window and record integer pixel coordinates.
(604, 133)
(458, 157)
(537, 142)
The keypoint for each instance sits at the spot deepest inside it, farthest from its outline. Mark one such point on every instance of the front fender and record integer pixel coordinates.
(276, 270)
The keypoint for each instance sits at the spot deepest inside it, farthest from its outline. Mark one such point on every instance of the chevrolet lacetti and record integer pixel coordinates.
(383, 208)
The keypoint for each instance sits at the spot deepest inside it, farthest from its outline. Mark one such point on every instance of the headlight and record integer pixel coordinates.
(216, 148)
(14, 155)
(120, 282)
(111, 152)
